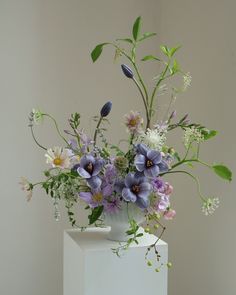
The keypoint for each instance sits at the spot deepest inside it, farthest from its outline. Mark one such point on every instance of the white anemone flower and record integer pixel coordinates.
(58, 157)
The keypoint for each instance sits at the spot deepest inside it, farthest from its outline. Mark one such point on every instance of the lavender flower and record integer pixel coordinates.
(89, 169)
(134, 122)
(149, 162)
(95, 198)
(137, 190)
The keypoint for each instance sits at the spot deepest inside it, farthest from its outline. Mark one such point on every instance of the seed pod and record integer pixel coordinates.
(127, 71)
(121, 163)
(105, 110)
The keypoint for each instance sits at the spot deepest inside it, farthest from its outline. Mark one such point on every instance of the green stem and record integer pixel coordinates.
(96, 131)
(144, 101)
(32, 132)
(191, 160)
(57, 128)
(156, 87)
(193, 177)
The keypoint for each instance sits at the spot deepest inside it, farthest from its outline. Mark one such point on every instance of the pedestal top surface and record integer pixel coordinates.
(96, 239)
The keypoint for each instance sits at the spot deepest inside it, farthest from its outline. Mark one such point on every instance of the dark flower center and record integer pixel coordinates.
(149, 163)
(89, 168)
(135, 189)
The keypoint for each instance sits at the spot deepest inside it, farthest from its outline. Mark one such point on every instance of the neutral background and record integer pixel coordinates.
(45, 63)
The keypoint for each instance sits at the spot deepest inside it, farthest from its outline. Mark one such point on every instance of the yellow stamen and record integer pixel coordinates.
(98, 197)
(57, 161)
(133, 122)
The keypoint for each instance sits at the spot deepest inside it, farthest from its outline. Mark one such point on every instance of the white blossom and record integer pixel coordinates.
(210, 205)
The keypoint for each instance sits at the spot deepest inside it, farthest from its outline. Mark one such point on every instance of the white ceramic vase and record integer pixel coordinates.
(119, 222)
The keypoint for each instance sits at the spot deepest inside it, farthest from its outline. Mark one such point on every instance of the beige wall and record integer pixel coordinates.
(44, 62)
(203, 248)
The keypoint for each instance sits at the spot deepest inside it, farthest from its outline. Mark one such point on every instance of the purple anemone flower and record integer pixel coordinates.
(149, 161)
(137, 190)
(89, 169)
(95, 198)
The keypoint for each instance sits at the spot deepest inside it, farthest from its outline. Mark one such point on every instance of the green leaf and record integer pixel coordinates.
(173, 50)
(165, 50)
(97, 51)
(136, 28)
(96, 213)
(208, 133)
(222, 171)
(126, 40)
(146, 35)
(175, 67)
(150, 57)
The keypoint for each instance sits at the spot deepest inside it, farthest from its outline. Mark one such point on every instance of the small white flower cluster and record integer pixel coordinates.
(210, 205)
(187, 81)
(154, 138)
(192, 134)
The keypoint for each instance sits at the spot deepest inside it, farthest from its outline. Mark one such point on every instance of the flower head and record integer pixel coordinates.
(149, 162)
(154, 138)
(95, 198)
(27, 187)
(187, 81)
(137, 190)
(192, 134)
(210, 205)
(89, 169)
(169, 214)
(58, 157)
(134, 122)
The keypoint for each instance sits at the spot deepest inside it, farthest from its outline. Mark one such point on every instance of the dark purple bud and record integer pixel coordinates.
(173, 115)
(105, 110)
(127, 71)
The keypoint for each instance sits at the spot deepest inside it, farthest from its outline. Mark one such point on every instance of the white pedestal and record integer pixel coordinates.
(90, 267)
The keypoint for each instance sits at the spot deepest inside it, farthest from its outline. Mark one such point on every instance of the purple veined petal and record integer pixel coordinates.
(163, 166)
(85, 160)
(86, 196)
(139, 175)
(83, 173)
(119, 185)
(142, 149)
(152, 171)
(94, 182)
(145, 190)
(97, 166)
(139, 162)
(128, 195)
(154, 156)
(107, 190)
(142, 203)
(129, 180)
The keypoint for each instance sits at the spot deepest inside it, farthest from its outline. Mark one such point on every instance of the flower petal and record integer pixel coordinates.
(142, 149)
(152, 171)
(128, 195)
(142, 203)
(145, 190)
(94, 182)
(86, 196)
(139, 162)
(163, 166)
(129, 180)
(97, 166)
(119, 185)
(85, 160)
(154, 156)
(83, 173)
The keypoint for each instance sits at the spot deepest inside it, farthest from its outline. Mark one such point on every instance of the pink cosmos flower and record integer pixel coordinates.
(169, 214)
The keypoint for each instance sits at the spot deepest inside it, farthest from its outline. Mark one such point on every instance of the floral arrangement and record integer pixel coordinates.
(91, 172)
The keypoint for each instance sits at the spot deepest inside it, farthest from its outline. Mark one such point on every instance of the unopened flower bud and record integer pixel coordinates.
(121, 163)
(149, 263)
(127, 71)
(169, 264)
(105, 110)
(171, 151)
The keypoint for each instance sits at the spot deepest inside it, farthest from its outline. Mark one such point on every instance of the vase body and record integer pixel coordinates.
(119, 221)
